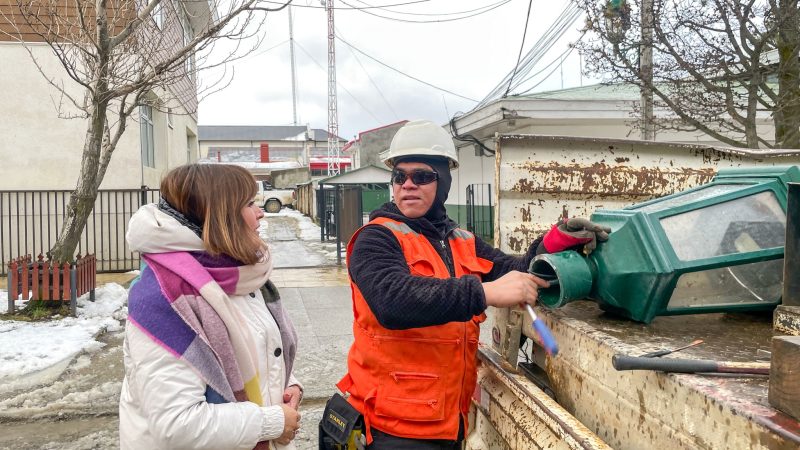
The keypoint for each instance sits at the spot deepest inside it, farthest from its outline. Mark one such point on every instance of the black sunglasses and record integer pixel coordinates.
(418, 177)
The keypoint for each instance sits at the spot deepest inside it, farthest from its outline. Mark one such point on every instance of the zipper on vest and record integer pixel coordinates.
(413, 339)
(413, 376)
(431, 403)
(447, 259)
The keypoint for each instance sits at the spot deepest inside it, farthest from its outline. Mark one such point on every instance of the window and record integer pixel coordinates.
(147, 138)
(158, 15)
(188, 35)
(746, 224)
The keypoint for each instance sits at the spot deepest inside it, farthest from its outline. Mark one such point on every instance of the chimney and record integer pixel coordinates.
(264, 152)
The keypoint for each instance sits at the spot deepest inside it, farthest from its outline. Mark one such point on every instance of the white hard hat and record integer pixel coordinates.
(421, 138)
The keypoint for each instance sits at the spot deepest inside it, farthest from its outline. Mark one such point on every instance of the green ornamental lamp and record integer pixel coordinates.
(714, 248)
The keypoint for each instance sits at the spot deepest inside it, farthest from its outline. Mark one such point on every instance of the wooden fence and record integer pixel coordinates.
(50, 281)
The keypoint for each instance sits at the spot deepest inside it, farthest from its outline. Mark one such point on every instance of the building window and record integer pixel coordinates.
(158, 16)
(147, 136)
(188, 35)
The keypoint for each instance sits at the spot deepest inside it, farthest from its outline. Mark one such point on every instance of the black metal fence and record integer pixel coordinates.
(30, 222)
(480, 213)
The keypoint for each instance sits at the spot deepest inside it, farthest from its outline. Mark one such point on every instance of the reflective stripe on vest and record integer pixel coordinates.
(415, 383)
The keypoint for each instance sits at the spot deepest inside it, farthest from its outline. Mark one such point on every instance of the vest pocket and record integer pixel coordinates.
(421, 268)
(411, 395)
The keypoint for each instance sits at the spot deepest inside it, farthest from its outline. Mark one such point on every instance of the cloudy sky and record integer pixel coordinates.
(468, 57)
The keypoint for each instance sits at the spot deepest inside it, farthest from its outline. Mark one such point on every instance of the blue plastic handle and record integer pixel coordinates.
(547, 337)
(548, 341)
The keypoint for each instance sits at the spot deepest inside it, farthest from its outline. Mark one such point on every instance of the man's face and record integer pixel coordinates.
(413, 200)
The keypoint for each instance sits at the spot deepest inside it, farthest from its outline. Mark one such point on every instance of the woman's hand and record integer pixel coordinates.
(512, 289)
(291, 424)
(292, 396)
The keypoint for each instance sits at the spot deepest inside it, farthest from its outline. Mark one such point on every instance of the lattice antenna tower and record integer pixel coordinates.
(333, 115)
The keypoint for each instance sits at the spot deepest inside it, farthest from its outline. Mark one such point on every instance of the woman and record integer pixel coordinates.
(208, 361)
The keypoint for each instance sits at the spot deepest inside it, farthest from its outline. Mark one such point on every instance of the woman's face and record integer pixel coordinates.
(252, 213)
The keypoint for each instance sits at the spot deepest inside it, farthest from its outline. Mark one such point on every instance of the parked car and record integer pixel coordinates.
(271, 199)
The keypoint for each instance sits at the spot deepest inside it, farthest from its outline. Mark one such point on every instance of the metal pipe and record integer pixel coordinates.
(791, 255)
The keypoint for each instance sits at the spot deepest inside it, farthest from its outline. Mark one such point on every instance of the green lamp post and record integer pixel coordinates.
(714, 248)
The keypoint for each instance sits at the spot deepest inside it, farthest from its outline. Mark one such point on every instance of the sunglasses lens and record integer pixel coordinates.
(423, 177)
(418, 177)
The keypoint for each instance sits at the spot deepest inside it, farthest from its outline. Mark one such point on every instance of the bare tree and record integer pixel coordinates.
(120, 53)
(718, 65)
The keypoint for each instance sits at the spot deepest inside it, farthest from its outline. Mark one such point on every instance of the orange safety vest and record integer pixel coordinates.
(415, 383)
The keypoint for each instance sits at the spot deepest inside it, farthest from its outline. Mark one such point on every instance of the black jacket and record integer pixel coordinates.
(400, 300)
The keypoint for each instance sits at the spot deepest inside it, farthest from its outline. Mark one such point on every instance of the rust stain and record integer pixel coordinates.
(601, 180)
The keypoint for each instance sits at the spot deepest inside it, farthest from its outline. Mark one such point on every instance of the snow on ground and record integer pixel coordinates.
(30, 347)
(309, 231)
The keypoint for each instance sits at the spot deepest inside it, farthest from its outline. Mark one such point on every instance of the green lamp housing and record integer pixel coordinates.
(714, 248)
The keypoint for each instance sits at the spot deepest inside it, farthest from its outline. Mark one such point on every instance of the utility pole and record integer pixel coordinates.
(333, 115)
(294, 77)
(646, 71)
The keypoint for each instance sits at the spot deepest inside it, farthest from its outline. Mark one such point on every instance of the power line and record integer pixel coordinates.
(384, 7)
(363, 10)
(351, 7)
(355, 55)
(337, 83)
(339, 36)
(521, 46)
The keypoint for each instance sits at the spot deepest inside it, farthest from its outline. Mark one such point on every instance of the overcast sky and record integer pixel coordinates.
(468, 57)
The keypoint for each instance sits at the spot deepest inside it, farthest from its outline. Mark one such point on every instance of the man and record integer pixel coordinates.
(420, 288)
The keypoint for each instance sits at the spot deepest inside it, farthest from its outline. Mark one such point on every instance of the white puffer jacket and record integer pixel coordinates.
(162, 404)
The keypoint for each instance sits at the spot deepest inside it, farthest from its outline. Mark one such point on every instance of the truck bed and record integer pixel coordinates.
(645, 409)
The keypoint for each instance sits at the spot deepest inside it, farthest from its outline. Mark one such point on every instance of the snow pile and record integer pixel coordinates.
(30, 347)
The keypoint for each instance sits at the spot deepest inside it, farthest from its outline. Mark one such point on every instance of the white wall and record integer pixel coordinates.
(40, 150)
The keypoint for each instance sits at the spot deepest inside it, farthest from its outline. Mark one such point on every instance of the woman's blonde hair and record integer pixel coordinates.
(212, 196)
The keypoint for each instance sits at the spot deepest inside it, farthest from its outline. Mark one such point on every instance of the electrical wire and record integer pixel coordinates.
(384, 7)
(521, 46)
(363, 10)
(355, 55)
(337, 83)
(350, 8)
(338, 36)
(521, 71)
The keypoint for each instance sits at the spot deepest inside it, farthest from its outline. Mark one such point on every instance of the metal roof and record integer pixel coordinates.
(260, 133)
(363, 175)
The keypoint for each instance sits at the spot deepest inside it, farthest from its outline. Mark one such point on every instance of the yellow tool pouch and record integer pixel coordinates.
(341, 427)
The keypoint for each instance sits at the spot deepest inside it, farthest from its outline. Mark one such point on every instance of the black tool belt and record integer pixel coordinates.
(342, 426)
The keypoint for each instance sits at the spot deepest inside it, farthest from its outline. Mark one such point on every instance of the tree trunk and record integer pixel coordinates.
(787, 109)
(81, 201)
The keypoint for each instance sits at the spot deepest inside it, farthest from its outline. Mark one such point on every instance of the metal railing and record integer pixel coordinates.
(480, 214)
(30, 222)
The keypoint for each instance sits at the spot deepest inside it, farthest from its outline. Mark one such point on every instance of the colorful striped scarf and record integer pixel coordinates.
(181, 302)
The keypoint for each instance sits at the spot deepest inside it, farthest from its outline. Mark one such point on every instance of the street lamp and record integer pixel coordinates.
(715, 248)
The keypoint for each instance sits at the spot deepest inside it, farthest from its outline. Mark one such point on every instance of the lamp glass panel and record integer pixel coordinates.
(713, 190)
(748, 284)
(743, 225)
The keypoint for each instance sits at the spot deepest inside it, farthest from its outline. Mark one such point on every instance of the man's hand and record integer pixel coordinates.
(513, 288)
(574, 232)
(292, 396)
(291, 424)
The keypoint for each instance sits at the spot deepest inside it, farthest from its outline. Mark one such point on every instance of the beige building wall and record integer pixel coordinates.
(41, 150)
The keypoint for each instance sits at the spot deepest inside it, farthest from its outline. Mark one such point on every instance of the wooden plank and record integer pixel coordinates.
(65, 284)
(35, 282)
(56, 282)
(784, 375)
(13, 268)
(46, 275)
(25, 280)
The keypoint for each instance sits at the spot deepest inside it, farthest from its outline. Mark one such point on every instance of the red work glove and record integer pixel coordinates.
(573, 232)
